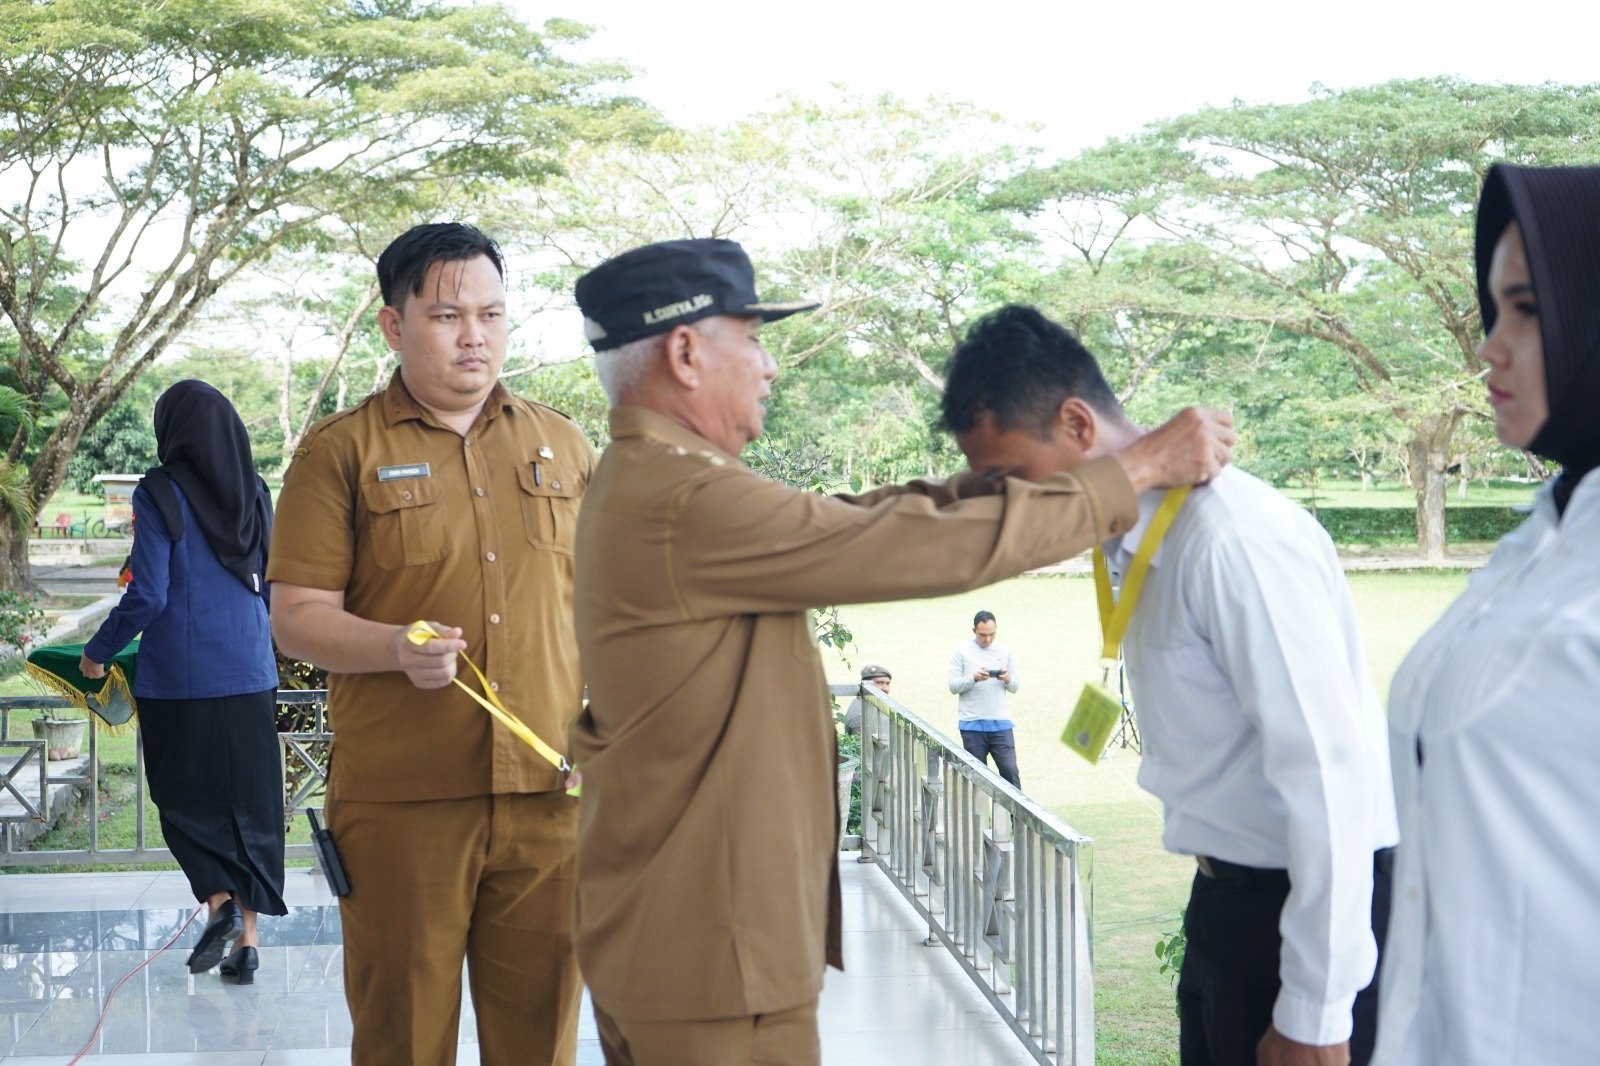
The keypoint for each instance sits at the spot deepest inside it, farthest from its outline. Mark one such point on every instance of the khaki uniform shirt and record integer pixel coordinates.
(411, 520)
(707, 839)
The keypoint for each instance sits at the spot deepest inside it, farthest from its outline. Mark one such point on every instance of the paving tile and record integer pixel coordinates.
(57, 931)
(878, 910)
(955, 1047)
(314, 967)
(178, 1058)
(150, 928)
(313, 1020)
(302, 887)
(16, 1018)
(71, 892)
(899, 1001)
(243, 1020)
(36, 976)
(170, 888)
(887, 952)
(149, 974)
(939, 1001)
(166, 890)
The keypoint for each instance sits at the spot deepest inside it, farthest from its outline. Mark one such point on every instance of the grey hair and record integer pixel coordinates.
(621, 368)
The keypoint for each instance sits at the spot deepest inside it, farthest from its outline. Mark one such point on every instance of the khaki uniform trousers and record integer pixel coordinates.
(488, 879)
(787, 1038)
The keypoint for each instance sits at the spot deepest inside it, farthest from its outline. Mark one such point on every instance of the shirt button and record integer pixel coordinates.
(490, 556)
(466, 444)
(405, 495)
(494, 686)
(494, 619)
(478, 491)
(555, 484)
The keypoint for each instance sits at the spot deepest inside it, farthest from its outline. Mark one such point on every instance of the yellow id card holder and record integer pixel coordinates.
(1092, 721)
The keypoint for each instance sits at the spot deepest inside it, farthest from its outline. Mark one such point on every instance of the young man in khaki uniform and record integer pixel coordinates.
(448, 499)
(708, 898)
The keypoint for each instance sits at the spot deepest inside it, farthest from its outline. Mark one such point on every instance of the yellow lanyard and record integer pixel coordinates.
(1114, 618)
(420, 632)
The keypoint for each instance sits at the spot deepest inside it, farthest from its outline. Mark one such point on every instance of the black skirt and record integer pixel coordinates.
(215, 776)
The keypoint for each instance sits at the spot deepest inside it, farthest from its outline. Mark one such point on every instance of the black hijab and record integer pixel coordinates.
(203, 446)
(1558, 210)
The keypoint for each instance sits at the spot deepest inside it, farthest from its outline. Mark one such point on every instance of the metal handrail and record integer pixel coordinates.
(1003, 884)
(22, 758)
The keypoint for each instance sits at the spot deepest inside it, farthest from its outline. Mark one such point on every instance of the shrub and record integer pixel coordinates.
(1376, 525)
(21, 625)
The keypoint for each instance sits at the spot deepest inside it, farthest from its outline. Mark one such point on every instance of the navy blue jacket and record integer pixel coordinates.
(205, 634)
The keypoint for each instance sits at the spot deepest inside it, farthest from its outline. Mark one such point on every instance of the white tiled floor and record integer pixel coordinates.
(66, 940)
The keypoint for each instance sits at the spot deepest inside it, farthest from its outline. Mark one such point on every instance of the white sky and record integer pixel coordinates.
(1082, 71)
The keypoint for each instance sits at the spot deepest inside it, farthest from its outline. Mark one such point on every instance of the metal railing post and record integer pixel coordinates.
(11, 854)
(1001, 882)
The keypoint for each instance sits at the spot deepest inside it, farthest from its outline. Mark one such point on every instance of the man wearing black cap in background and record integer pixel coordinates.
(879, 678)
(708, 899)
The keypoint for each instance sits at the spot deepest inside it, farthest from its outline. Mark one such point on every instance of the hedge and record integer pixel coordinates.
(1376, 525)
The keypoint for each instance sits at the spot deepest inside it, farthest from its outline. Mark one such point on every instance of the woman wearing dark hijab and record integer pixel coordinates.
(1493, 717)
(207, 678)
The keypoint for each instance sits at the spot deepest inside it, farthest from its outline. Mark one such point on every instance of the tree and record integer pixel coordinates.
(875, 207)
(123, 442)
(1345, 219)
(156, 151)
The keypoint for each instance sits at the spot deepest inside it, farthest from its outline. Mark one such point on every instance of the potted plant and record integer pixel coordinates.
(62, 732)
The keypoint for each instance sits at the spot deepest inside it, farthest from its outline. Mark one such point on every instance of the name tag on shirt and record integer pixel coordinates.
(397, 473)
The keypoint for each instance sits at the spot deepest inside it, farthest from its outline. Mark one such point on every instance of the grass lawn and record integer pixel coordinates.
(1351, 494)
(85, 507)
(1139, 889)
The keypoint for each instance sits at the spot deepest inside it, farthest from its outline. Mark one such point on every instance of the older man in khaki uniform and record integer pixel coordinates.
(708, 898)
(443, 498)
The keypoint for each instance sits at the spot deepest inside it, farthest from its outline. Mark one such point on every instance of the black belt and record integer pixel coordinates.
(1223, 870)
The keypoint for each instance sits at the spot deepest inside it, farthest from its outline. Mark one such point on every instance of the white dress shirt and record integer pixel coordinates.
(1262, 733)
(1494, 942)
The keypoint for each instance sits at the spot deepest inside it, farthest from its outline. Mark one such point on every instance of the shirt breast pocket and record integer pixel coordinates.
(550, 505)
(406, 522)
(1183, 698)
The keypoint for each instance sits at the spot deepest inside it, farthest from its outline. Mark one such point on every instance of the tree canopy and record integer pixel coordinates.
(170, 171)
(151, 153)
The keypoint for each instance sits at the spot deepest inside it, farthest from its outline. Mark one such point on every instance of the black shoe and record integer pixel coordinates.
(241, 965)
(225, 927)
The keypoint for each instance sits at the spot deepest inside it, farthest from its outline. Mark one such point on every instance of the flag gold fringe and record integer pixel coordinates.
(116, 686)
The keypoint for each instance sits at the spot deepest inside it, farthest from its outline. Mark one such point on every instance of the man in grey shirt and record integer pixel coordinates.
(982, 671)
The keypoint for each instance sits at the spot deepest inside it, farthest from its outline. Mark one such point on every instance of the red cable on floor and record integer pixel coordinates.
(106, 1006)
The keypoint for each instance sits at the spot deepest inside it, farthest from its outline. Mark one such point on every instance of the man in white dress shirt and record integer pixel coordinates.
(1262, 734)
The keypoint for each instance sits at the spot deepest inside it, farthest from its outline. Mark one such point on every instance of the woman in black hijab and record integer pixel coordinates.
(207, 679)
(1493, 720)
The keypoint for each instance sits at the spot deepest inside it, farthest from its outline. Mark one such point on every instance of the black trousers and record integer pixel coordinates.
(215, 776)
(1230, 982)
(1001, 743)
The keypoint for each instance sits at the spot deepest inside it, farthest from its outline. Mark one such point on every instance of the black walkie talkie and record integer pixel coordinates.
(328, 856)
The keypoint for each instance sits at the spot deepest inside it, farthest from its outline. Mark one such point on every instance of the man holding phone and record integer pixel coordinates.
(982, 671)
